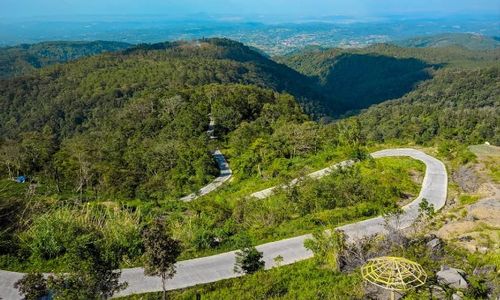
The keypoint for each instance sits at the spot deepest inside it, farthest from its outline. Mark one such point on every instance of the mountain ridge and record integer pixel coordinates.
(25, 58)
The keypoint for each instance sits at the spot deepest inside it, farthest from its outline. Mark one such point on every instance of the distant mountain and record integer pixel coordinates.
(456, 105)
(466, 40)
(24, 58)
(354, 79)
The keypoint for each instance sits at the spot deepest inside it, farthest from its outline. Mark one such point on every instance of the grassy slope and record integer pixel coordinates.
(306, 280)
(303, 280)
(387, 172)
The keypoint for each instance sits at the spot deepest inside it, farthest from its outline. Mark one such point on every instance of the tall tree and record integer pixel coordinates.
(161, 253)
(92, 272)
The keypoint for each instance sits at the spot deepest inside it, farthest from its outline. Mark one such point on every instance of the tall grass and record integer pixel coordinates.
(52, 234)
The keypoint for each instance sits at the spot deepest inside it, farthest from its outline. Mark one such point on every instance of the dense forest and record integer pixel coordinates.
(467, 40)
(355, 79)
(131, 103)
(456, 105)
(111, 141)
(23, 59)
(131, 123)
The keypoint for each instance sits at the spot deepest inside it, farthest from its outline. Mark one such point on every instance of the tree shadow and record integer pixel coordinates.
(357, 81)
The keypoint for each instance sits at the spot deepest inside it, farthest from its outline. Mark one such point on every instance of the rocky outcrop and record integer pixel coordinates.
(484, 270)
(452, 277)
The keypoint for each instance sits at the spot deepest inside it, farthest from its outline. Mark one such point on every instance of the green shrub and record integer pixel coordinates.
(51, 234)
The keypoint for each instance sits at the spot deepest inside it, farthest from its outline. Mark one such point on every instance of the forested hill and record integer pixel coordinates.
(134, 122)
(456, 106)
(23, 59)
(354, 79)
(74, 93)
(466, 40)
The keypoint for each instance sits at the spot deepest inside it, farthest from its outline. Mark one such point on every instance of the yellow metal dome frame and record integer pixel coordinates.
(394, 273)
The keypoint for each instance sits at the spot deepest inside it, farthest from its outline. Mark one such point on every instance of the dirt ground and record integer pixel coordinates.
(474, 220)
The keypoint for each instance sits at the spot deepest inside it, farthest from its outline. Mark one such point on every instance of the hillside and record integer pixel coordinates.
(23, 59)
(456, 105)
(156, 96)
(354, 79)
(466, 40)
(134, 105)
(110, 143)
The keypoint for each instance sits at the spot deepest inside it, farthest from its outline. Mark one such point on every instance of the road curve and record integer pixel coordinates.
(225, 172)
(224, 175)
(217, 267)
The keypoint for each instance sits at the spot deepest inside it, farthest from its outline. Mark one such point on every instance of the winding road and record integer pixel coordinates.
(224, 171)
(217, 267)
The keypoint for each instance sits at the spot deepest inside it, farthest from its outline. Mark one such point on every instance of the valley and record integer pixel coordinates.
(109, 141)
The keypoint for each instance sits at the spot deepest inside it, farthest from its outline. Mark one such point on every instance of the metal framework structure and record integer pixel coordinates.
(394, 273)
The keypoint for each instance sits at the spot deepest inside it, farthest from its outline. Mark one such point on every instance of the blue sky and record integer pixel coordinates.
(28, 8)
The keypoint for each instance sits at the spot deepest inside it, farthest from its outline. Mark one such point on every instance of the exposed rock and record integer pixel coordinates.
(466, 238)
(483, 250)
(452, 277)
(374, 292)
(452, 229)
(429, 237)
(487, 211)
(466, 178)
(485, 270)
(438, 292)
(435, 245)
(456, 297)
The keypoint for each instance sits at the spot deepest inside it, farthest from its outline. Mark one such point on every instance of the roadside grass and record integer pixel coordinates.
(466, 199)
(308, 280)
(218, 214)
(302, 280)
(395, 177)
(490, 157)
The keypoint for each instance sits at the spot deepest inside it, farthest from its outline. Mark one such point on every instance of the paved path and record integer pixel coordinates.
(225, 171)
(213, 268)
(224, 175)
(315, 175)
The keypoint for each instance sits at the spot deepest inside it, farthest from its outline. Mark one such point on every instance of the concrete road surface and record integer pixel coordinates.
(217, 267)
(224, 175)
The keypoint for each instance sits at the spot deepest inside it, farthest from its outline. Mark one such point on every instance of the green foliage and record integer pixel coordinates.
(24, 59)
(32, 286)
(467, 40)
(248, 261)
(154, 147)
(161, 252)
(478, 288)
(455, 152)
(130, 128)
(91, 272)
(328, 247)
(13, 209)
(457, 107)
(51, 236)
(468, 199)
(302, 280)
(425, 209)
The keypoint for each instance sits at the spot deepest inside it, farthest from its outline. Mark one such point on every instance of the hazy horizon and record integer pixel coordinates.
(18, 10)
(275, 26)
